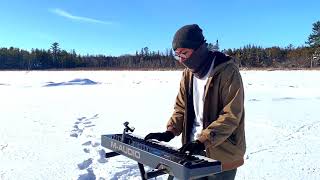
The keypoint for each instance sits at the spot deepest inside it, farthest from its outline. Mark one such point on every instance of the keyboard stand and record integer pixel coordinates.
(151, 174)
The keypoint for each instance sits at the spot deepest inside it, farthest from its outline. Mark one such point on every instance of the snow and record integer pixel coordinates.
(51, 122)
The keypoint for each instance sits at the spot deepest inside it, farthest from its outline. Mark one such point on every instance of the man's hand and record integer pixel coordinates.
(194, 147)
(164, 136)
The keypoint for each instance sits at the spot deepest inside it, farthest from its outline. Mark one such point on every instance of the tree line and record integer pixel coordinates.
(55, 58)
(252, 56)
(249, 56)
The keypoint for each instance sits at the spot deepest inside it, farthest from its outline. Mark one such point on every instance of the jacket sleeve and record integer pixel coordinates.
(175, 123)
(232, 98)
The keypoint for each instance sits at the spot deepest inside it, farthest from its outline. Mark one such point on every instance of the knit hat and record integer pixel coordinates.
(188, 36)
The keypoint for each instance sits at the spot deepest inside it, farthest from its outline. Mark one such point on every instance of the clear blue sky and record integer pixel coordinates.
(121, 27)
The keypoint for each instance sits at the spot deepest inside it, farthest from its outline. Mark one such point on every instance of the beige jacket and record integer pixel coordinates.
(223, 114)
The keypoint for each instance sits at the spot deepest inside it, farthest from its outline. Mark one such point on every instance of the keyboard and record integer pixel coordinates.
(161, 156)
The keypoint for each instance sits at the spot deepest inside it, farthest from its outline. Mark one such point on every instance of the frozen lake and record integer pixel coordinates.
(51, 122)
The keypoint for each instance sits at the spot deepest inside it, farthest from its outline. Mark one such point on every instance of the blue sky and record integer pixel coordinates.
(122, 27)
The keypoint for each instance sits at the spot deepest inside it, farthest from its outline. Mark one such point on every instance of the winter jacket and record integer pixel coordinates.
(223, 115)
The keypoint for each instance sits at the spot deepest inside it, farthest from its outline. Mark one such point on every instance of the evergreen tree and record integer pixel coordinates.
(55, 49)
(314, 37)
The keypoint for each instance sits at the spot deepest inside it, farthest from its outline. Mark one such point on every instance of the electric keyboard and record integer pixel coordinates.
(167, 160)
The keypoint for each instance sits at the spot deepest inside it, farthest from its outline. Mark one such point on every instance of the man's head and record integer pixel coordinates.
(188, 36)
(186, 40)
(191, 49)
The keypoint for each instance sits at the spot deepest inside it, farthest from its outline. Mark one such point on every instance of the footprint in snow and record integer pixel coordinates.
(86, 150)
(102, 154)
(88, 176)
(85, 164)
(95, 116)
(89, 126)
(91, 147)
(2, 147)
(86, 143)
(81, 118)
(74, 135)
(96, 144)
(79, 127)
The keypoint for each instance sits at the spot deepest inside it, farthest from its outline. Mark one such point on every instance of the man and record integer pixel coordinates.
(209, 108)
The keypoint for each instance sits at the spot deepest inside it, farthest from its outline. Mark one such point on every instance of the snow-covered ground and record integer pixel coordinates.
(51, 122)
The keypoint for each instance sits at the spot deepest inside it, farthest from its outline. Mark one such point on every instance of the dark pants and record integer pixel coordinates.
(225, 175)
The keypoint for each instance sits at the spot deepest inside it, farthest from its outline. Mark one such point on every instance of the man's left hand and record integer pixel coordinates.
(194, 147)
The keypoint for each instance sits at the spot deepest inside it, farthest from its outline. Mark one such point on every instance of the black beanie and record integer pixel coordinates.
(188, 36)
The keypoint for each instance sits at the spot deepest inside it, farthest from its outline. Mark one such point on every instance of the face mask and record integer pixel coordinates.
(198, 62)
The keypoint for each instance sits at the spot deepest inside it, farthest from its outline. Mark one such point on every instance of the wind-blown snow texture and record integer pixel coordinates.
(51, 122)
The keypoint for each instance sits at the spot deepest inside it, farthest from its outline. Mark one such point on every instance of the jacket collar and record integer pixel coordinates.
(214, 72)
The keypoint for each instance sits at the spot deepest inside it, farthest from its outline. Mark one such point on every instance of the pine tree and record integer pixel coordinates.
(55, 52)
(314, 37)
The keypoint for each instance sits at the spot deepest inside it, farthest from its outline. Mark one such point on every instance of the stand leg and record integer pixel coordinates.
(170, 177)
(111, 154)
(142, 171)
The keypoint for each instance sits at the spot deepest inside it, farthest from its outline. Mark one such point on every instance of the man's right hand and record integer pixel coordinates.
(164, 136)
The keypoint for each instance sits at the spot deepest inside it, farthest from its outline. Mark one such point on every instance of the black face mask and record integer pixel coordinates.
(199, 62)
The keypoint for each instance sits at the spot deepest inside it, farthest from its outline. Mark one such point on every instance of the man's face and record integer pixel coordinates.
(182, 54)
